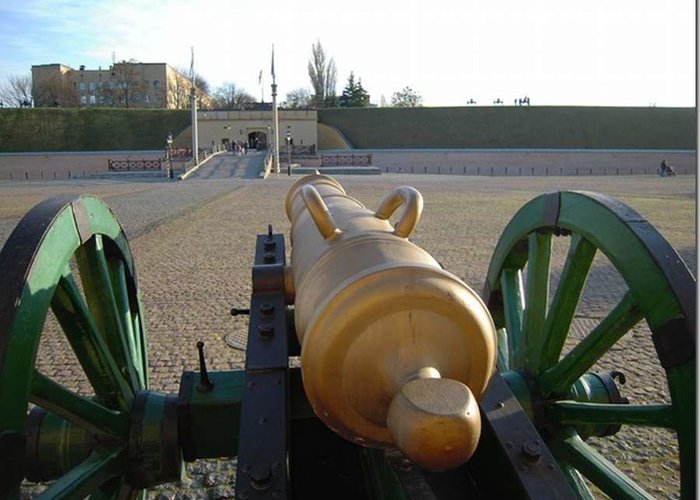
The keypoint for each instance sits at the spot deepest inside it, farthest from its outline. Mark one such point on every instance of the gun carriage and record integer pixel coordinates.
(410, 384)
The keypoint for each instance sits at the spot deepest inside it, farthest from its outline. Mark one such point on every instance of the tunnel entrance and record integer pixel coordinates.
(257, 139)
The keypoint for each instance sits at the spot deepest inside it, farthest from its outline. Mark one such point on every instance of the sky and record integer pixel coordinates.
(590, 53)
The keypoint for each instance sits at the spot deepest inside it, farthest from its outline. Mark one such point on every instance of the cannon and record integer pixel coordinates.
(410, 385)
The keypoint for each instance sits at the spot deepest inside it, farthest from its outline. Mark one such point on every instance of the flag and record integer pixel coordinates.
(260, 78)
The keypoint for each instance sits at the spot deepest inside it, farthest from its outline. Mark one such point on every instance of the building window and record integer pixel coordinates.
(81, 86)
(156, 84)
(91, 86)
(83, 100)
(146, 99)
(93, 101)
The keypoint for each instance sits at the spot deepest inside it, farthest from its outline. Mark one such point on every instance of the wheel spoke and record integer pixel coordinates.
(577, 413)
(503, 355)
(513, 305)
(537, 294)
(597, 469)
(115, 488)
(559, 378)
(118, 277)
(94, 271)
(77, 409)
(566, 299)
(95, 358)
(87, 477)
(576, 482)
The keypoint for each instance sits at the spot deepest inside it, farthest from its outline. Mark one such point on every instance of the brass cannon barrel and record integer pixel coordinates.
(396, 351)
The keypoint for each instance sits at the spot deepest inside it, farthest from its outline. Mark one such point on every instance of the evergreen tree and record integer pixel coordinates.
(354, 95)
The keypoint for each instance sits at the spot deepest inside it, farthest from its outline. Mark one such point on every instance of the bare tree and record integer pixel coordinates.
(406, 98)
(126, 86)
(229, 96)
(298, 98)
(323, 75)
(179, 91)
(55, 91)
(17, 91)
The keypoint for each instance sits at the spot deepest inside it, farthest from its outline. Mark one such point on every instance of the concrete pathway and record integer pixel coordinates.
(231, 165)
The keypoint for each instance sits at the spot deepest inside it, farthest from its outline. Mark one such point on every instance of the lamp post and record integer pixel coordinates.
(169, 154)
(228, 127)
(289, 153)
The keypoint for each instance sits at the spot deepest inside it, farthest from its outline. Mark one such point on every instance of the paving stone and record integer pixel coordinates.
(193, 244)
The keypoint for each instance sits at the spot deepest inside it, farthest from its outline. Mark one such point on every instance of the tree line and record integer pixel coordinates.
(124, 90)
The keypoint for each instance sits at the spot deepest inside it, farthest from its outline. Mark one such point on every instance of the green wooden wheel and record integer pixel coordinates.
(70, 256)
(566, 402)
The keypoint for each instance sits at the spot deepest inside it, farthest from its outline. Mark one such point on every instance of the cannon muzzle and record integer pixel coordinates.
(396, 351)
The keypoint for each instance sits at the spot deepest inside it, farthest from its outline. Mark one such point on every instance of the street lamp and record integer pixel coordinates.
(169, 154)
(289, 153)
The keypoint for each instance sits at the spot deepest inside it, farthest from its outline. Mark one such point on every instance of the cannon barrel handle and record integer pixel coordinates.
(319, 212)
(412, 201)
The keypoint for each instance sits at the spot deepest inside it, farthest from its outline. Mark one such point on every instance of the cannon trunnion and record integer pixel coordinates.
(410, 386)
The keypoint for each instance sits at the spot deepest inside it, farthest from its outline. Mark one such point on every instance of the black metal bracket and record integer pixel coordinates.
(263, 438)
(511, 444)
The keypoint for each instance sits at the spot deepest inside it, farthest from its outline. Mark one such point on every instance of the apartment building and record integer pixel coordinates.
(122, 85)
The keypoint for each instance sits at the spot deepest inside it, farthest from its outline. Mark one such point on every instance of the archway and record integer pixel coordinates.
(257, 139)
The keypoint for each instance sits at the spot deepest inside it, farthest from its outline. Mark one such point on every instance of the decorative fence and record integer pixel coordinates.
(303, 150)
(181, 153)
(126, 165)
(347, 160)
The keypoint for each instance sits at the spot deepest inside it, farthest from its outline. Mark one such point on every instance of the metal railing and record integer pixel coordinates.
(130, 165)
(347, 160)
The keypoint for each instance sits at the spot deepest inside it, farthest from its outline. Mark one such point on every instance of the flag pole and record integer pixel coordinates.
(193, 104)
(275, 119)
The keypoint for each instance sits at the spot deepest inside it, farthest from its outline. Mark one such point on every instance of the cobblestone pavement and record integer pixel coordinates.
(193, 245)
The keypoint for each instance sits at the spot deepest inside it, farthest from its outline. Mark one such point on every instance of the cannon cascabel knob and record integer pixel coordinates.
(435, 422)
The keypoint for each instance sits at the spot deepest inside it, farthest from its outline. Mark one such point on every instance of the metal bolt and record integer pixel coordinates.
(236, 311)
(260, 477)
(266, 331)
(500, 405)
(267, 309)
(532, 452)
(269, 258)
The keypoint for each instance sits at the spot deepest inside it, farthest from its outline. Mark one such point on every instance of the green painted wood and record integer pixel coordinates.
(661, 291)
(514, 304)
(87, 477)
(39, 253)
(598, 469)
(576, 481)
(575, 413)
(565, 301)
(619, 321)
(77, 409)
(91, 351)
(537, 296)
(100, 296)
